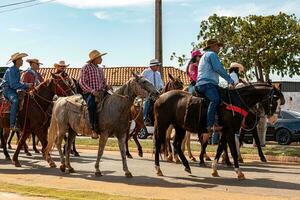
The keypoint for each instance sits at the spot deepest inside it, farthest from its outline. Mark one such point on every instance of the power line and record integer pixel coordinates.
(18, 8)
(18, 3)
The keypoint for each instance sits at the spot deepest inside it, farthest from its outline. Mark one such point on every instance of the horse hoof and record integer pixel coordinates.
(141, 154)
(169, 159)
(8, 158)
(76, 154)
(9, 147)
(263, 160)
(129, 156)
(241, 160)
(202, 164)
(193, 159)
(98, 174)
(159, 173)
(37, 151)
(62, 168)
(17, 164)
(52, 165)
(188, 170)
(241, 176)
(229, 164)
(178, 162)
(128, 175)
(28, 154)
(71, 170)
(215, 174)
(208, 159)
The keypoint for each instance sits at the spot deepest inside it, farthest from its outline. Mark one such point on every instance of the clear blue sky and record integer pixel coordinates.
(69, 29)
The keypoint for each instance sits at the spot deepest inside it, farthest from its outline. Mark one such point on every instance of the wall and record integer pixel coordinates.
(295, 105)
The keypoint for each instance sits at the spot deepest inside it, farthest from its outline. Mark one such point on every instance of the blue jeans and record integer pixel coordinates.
(12, 96)
(211, 92)
(191, 89)
(146, 108)
(92, 108)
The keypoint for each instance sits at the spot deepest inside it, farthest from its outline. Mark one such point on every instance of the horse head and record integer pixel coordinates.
(143, 87)
(63, 84)
(174, 83)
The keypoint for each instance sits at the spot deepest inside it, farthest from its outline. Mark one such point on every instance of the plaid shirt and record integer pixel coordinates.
(92, 79)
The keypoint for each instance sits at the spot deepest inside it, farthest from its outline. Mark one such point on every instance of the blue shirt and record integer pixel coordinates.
(210, 68)
(154, 78)
(11, 80)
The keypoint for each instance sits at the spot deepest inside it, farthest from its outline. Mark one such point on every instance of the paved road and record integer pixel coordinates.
(264, 181)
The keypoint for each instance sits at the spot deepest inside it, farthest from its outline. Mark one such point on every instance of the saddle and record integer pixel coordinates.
(5, 104)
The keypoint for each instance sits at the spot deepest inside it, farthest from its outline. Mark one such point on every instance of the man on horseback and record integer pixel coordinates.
(93, 84)
(11, 83)
(153, 75)
(209, 70)
(32, 75)
(60, 67)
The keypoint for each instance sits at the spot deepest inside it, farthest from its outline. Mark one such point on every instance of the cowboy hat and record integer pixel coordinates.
(154, 62)
(212, 42)
(237, 65)
(61, 64)
(95, 54)
(34, 61)
(16, 56)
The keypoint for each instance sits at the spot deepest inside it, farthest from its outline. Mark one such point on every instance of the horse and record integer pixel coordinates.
(36, 112)
(114, 116)
(171, 107)
(136, 112)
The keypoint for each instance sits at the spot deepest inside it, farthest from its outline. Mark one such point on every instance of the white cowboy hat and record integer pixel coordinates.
(34, 61)
(16, 56)
(237, 65)
(154, 62)
(61, 64)
(95, 54)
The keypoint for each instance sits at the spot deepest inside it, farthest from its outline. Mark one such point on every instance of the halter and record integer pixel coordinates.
(59, 88)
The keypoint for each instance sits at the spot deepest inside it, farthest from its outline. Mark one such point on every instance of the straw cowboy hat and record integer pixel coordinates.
(212, 42)
(61, 64)
(16, 56)
(95, 54)
(237, 65)
(154, 62)
(34, 61)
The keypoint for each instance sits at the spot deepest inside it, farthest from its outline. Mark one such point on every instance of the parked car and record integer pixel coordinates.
(285, 131)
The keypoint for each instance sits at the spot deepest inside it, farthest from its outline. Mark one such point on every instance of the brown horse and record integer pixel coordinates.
(36, 112)
(171, 107)
(137, 114)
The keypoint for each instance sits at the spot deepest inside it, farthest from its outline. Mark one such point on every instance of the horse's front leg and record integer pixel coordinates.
(257, 142)
(102, 142)
(221, 147)
(69, 141)
(44, 142)
(21, 143)
(140, 149)
(122, 140)
(179, 136)
(3, 142)
(34, 144)
(126, 145)
(188, 145)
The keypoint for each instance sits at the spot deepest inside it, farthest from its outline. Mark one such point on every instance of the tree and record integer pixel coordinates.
(263, 44)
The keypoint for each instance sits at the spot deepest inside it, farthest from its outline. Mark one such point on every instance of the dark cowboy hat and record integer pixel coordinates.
(212, 42)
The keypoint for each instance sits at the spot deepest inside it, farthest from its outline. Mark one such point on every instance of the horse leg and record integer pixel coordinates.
(179, 136)
(102, 142)
(169, 150)
(69, 141)
(221, 147)
(188, 145)
(34, 144)
(140, 150)
(21, 143)
(257, 142)
(126, 146)
(234, 154)
(3, 142)
(25, 146)
(122, 141)
(12, 133)
(76, 154)
(203, 152)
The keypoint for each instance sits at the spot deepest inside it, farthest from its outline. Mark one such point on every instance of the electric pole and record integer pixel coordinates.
(158, 33)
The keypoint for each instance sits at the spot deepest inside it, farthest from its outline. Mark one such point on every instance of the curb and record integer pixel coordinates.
(282, 159)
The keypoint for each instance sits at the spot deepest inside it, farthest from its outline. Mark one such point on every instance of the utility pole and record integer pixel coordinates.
(158, 33)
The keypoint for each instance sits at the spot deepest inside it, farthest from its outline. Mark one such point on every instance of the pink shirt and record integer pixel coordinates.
(193, 71)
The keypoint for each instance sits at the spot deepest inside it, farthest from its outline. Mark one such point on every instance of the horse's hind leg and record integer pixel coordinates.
(41, 134)
(58, 143)
(221, 147)
(122, 141)
(21, 143)
(203, 151)
(76, 154)
(3, 142)
(34, 144)
(179, 136)
(12, 133)
(69, 141)
(188, 145)
(169, 151)
(127, 147)
(257, 142)
(139, 146)
(102, 142)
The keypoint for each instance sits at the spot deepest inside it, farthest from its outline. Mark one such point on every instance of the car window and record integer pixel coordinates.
(286, 115)
(294, 114)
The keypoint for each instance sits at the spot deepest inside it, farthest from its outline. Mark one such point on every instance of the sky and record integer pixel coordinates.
(69, 29)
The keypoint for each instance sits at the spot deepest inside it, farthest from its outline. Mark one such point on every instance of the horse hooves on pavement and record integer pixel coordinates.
(28, 154)
(202, 164)
(98, 174)
(141, 154)
(263, 160)
(188, 170)
(159, 173)
(62, 168)
(128, 175)
(9, 147)
(129, 156)
(76, 154)
(229, 164)
(241, 176)
(52, 165)
(8, 158)
(37, 151)
(215, 174)
(208, 159)
(17, 164)
(71, 170)
(193, 159)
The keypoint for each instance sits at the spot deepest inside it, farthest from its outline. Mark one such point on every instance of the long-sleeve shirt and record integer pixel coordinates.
(92, 79)
(31, 76)
(154, 77)
(11, 80)
(193, 71)
(210, 68)
(235, 78)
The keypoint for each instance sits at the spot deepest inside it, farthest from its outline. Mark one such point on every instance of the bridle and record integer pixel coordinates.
(59, 88)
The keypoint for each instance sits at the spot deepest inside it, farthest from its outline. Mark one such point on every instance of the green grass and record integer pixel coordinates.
(59, 193)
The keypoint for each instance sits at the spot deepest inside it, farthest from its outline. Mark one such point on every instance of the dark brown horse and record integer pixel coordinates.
(171, 107)
(137, 114)
(36, 112)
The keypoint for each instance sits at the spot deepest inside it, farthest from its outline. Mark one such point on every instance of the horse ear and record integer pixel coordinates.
(171, 77)
(134, 75)
(53, 75)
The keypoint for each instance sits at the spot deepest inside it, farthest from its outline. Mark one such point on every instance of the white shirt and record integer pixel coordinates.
(154, 78)
(235, 78)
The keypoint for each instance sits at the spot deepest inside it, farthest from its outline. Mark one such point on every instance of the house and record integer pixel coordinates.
(117, 76)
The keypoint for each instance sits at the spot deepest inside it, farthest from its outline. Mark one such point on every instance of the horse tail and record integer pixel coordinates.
(160, 137)
(52, 132)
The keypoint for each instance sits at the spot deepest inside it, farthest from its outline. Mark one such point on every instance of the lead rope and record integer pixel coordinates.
(26, 111)
(230, 103)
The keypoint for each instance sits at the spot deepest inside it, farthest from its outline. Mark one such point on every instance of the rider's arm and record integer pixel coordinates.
(14, 80)
(160, 81)
(83, 80)
(218, 67)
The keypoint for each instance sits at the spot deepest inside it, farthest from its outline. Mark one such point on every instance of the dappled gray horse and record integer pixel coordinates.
(114, 116)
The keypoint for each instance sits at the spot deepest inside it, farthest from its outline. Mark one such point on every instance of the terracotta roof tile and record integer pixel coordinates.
(117, 76)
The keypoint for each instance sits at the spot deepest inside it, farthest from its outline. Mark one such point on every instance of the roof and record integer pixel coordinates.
(117, 76)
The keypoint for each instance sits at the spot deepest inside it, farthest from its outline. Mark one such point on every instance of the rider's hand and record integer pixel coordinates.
(231, 86)
(30, 86)
(96, 93)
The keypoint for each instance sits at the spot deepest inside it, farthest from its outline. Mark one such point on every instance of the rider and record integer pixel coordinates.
(32, 75)
(192, 69)
(153, 75)
(11, 83)
(93, 83)
(60, 67)
(234, 71)
(208, 80)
